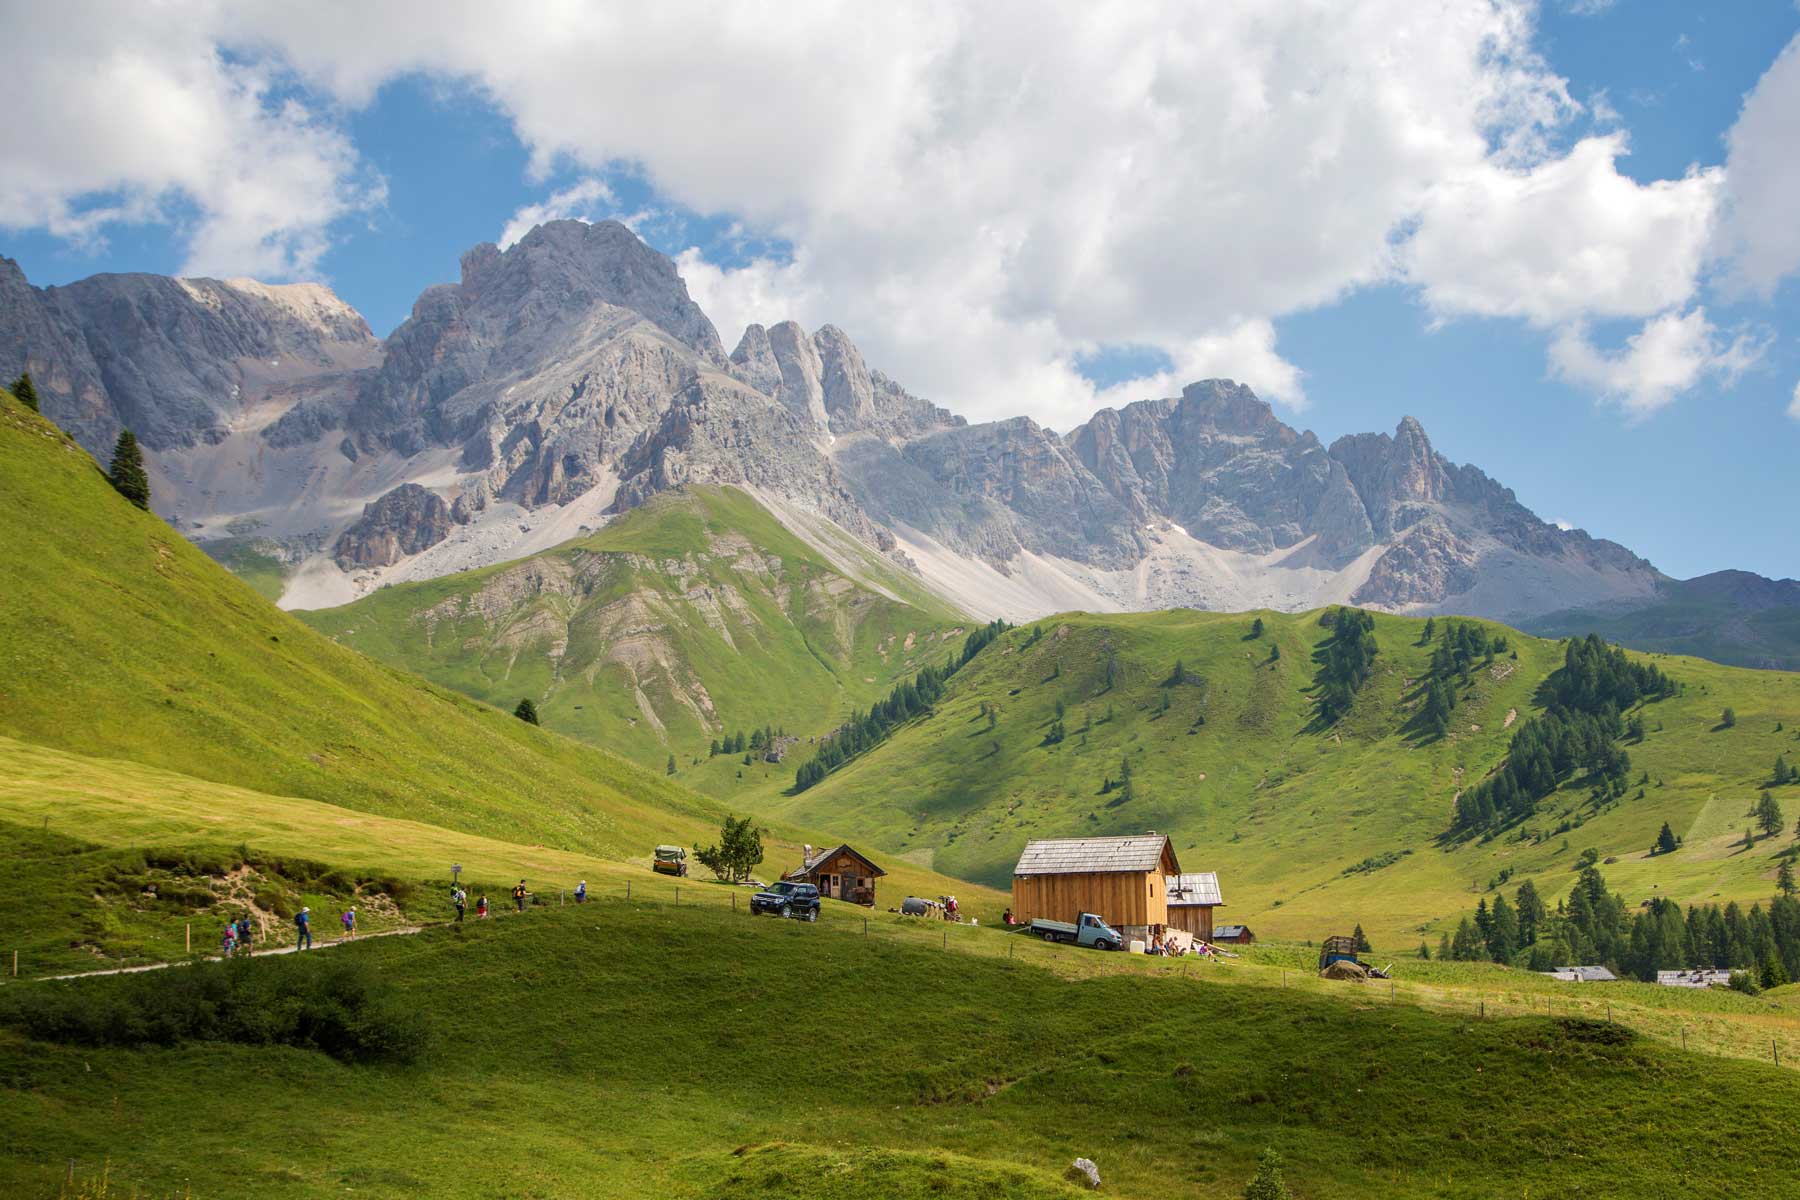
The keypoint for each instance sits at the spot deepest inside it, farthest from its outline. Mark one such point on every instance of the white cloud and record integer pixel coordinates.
(1794, 404)
(1761, 236)
(132, 113)
(1667, 356)
(1568, 238)
(982, 194)
(586, 200)
(1562, 523)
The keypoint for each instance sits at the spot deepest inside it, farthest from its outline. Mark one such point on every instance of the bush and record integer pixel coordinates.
(1745, 982)
(335, 1004)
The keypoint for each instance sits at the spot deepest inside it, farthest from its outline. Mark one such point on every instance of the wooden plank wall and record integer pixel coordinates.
(1122, 898)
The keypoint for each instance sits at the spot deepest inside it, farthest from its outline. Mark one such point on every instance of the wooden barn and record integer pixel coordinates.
(1123, 879)
(1192, 898)
(841, 874)
(1239, 934)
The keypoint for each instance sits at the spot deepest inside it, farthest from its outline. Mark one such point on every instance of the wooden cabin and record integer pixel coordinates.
(840, 873)
(1123, 879)
(1238, 934)
(1192, 898)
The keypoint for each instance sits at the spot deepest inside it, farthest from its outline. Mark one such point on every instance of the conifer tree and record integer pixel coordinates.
(1728, 718)
(1784, 878)
(1443, 950)
(26, 392)
(127, 473)
(527, 711)
(1768, 813)
(1268, 1183)
(1783, 772)
(1362, 942)
(1430, 629)
(670, 769)
(1425, 951)
(1256, 628)
(1665, 840)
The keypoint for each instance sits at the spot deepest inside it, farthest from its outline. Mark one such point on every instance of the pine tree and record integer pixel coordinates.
(127, 474)
(1362, 942)
(527, 711)
(1783, 772)
(1503, 931)
(1784, 878)
(26, 392)
(1256, 628)
(1268, 1183)
(1443, 950)
(1768, 814)
(1274, 653)
(670, 769)
(1728, 718)
(1430, 630)
(1665, 840)
(1425, 951)
(1125, 789)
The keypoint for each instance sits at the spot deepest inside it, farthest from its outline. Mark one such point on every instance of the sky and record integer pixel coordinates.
(1561, 234)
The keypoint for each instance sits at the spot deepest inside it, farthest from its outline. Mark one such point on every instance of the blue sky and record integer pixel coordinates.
(1060, 301)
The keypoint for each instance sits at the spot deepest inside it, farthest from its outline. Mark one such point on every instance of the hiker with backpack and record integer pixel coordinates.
(303, 929)
(460, 899)
(230, 941)
(581, 892)
(349, 920)
(519, 894)
(481, 909)
(243, 933)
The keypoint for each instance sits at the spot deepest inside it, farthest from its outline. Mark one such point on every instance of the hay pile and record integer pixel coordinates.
(1344, 969)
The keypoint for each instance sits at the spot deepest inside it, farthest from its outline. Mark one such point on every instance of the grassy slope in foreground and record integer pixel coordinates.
(703, 1055)
(1283, 809)
(692, 617)
(73, 826)
(119, 638)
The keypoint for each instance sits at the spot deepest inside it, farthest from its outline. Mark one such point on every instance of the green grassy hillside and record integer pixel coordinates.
(684, 621)
(641, 1049)
(1237, 768)
(119, 638)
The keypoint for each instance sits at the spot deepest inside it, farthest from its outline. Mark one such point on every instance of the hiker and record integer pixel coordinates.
(481, 909)
(519, 894)
(243, 934)
(581, 892)
(349, 920)
(303, 929)
(230, 941)
(459, 898)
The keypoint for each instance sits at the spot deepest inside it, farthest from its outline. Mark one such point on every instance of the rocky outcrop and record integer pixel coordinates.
(405, 521)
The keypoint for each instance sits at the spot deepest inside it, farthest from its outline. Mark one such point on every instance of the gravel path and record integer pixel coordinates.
(320, 944)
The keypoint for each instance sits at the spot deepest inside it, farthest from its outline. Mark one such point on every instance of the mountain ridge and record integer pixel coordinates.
(571, 377)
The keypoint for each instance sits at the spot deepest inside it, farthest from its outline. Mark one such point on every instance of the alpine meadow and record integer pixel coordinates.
(956, 601)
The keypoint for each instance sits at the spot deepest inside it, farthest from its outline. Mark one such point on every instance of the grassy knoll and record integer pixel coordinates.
(681, 622)
(85, 835)
(120, 638)
(1311, 828)
(636, 1049)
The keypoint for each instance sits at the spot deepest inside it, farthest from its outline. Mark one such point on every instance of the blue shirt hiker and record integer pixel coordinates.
(581, 892)
(303, 929)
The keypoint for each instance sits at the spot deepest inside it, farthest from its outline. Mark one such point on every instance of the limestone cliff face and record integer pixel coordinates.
(180, 362)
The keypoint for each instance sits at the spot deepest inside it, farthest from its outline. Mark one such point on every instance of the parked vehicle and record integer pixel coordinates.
(787, 899)
(670, 860)
(1088, 930)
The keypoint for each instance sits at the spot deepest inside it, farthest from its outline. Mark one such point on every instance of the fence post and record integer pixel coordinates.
(946, 939)
(1609, 1012)
(1775, 1050)
(865, 927)
(190, 938)
(1684, 1037)
(734, 904)
(628, 889)
(15, 964)
(1484, 1009)
(1284, 977)
(677, 895)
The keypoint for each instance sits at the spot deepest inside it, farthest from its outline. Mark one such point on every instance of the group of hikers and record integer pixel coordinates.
(240, 932)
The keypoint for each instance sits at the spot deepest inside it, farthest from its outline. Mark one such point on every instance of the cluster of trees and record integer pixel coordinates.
(738, 743)
(1580, 730)
(1122, 785)
(1349, 659)
(864, 730)
(1594, 926)
(737, 852)
(26, 391)
(1462, 646)
(527, 711)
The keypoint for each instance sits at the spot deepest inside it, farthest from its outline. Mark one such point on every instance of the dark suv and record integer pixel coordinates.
(784, 899)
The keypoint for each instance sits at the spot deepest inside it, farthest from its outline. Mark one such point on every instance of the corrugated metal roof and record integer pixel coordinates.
(1583, 975)
(1086, 856)
(1226, 932)
(1198, 887)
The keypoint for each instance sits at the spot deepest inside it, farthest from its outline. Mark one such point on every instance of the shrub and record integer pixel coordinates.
(333, 1003)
